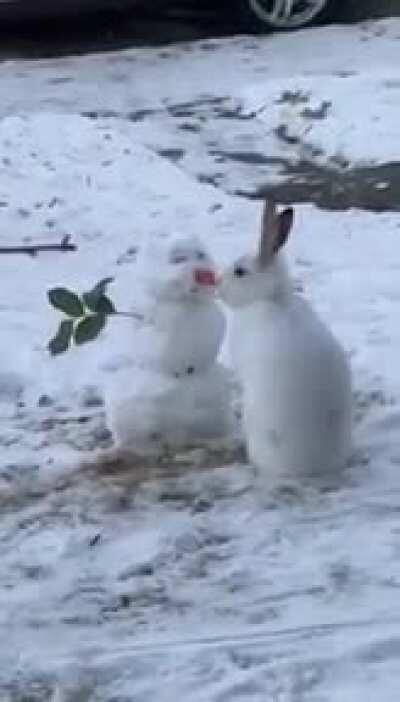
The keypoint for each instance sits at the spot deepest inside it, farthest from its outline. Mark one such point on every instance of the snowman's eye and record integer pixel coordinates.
(200, 255)
(178, 258)
(239, 272)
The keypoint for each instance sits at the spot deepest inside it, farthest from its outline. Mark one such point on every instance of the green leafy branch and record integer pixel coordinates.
(86, 315)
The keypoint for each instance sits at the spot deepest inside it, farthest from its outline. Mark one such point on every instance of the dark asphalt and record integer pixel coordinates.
(374, 188)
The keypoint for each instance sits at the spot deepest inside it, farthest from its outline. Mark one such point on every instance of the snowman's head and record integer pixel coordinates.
(188, 272)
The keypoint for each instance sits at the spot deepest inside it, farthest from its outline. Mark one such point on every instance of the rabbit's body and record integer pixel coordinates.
(294, 374)
(296, 389)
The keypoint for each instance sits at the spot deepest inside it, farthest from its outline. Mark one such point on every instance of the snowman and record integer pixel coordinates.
(176, 394)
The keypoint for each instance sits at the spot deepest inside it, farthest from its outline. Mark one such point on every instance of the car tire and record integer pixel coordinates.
(255, 22)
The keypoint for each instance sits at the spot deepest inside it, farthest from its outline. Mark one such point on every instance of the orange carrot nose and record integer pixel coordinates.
(205, 276)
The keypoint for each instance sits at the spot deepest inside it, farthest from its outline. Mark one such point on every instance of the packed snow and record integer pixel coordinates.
(178, 580)
(346, 119)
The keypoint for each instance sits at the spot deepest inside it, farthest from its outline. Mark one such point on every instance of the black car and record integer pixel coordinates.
(257, 14)
(286, 14)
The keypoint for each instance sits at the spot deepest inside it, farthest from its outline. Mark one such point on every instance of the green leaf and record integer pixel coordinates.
(66, 301)
(96, 299)
(100, 305)
(61, 341)
(89, 328)
(102, 285)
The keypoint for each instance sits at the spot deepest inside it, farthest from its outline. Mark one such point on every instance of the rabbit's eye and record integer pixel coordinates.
(239, 272)
(200, 255)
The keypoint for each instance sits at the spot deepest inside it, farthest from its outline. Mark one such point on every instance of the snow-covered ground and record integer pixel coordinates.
(113, 587)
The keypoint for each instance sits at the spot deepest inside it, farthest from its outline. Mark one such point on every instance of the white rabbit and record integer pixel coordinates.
(176, 392)
(295, 376)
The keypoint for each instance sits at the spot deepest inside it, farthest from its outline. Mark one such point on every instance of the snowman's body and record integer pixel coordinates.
(177, 394)
(189, 336)
(164, 411)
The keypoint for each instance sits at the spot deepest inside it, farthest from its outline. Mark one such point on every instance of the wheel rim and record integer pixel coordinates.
(287, 14)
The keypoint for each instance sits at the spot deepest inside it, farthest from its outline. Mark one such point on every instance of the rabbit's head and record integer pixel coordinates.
(186, 271)
(264, 276)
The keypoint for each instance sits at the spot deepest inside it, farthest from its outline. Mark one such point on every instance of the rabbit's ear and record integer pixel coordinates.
(282, 227)
(275, 229)
(268, 222)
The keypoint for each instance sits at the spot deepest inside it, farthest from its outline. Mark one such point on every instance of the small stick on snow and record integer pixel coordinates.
(132, 315)
(33, 250)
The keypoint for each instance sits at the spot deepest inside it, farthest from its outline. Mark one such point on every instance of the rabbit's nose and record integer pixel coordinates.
(205, 276)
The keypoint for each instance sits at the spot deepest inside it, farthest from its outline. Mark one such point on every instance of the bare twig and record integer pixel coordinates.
(33, 250)
(132, 315)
